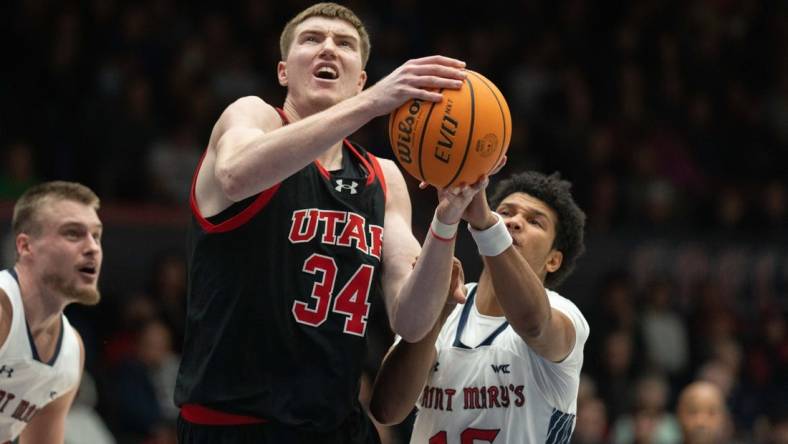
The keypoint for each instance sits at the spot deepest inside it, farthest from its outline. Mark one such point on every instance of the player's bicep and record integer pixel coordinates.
(48, 424)
(400, 247)
(556, 340)
(243, 121)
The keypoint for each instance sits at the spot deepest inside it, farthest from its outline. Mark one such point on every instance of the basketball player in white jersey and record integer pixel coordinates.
(58, 247)
(504, 367)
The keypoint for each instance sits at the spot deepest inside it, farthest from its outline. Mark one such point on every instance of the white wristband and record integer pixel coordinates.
(441, 231)
(494, 240)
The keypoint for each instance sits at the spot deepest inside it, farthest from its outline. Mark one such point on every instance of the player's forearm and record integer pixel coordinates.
(402, 375)
(423, 296)
(520, 292)
(256, 164)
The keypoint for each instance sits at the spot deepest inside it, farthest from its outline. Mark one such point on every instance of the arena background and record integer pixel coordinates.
(670, 118)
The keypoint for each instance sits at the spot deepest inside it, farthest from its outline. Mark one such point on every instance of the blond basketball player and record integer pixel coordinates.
(505, 367)
(58, 246)
(296, 235)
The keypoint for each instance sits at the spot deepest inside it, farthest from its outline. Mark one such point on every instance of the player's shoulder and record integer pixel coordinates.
(6, 315)
(251, 111)
(569, 308)
(392, 175)
(556, 297)
(250, 103)
(390, 169)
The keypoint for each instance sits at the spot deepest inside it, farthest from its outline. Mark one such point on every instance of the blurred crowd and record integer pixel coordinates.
(669, 116)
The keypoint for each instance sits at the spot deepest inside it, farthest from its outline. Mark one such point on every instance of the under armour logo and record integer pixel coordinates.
(8, 370)
(52, 394)
(351, 186)
(435, 368)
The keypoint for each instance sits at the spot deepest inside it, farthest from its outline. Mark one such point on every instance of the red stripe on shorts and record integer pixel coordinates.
(198, 414)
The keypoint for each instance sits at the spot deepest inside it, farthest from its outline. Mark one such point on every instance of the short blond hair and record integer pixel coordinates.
(26, 210)
(328, 10)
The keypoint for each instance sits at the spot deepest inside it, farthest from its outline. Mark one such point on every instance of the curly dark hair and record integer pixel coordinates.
(555, 192)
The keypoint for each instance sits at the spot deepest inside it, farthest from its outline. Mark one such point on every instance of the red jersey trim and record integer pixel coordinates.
(236, 221)
(198, 414)
(379, 173)
(322, 169)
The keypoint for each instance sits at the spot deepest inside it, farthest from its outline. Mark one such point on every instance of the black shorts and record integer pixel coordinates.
(357, 429)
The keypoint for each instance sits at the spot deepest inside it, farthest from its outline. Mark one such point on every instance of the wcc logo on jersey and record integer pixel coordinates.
(346, 187)
(501, 368)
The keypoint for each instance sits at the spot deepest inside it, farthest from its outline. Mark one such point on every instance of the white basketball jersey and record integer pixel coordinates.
(26, 383)
(488, 386)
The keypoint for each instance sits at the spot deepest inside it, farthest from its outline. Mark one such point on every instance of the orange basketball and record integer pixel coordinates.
(454, 141)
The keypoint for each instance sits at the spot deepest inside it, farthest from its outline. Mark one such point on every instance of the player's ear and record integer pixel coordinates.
(22, 244)
(281, 73)
(554, 260)
(362, 80)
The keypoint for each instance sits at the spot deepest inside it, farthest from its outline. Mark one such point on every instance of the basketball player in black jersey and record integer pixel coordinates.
(295, 234)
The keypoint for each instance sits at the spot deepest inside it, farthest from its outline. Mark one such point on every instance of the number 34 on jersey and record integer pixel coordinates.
(342, 228)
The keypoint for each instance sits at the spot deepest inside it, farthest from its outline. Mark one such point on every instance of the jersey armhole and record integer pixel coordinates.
(235, 221)
(379, 173)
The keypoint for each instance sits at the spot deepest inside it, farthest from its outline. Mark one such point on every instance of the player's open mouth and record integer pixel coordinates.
(326, 72)
(89, 270)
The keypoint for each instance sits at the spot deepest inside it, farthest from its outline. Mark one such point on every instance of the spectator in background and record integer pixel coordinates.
(649, 420)
(779, 431)
(592, 426)
(702, 414)
(83, 424)
(17, 170)
(662, 330)
(171, 162)
(617, 372)
(168, 292)
(144, 383)
(133, 312)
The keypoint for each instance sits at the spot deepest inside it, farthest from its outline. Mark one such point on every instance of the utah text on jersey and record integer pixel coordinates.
(343, 228)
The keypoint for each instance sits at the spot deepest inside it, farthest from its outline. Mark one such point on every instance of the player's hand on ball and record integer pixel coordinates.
(452, 202)
(420, 79)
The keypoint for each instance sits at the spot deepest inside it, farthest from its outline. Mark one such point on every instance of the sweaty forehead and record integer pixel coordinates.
(326, 25)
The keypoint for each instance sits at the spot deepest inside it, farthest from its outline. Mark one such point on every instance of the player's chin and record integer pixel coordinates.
(86, 295)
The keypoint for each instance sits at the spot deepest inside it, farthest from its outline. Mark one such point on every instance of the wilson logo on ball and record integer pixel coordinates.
(405, 132)
(456, 140)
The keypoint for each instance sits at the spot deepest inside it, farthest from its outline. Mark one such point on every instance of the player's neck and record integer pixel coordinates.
(486, 301)
(42, 306)
(331, 159)
(301, 110)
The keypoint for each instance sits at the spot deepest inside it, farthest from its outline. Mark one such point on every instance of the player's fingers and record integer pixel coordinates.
(439, 59)
(447, 72)
(500, 165)
(435, 82)
(423, 94)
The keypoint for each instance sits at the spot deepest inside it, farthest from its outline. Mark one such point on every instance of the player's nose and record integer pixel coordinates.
(513, 223)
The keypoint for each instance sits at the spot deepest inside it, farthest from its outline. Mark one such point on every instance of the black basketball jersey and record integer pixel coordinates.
(280, 289)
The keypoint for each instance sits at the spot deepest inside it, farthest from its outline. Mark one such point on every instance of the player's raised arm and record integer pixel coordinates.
(251, 150)
(415, 296)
